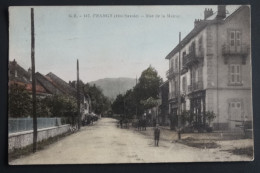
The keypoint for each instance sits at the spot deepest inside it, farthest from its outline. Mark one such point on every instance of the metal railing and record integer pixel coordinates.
(25, 124)
(193, 56)
(195, 86)
(243, 49)
(171, 72)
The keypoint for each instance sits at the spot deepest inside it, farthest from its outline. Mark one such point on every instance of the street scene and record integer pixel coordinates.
(130, 84)
(104, 142)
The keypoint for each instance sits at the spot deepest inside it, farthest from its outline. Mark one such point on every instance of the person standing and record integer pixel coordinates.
(156, 135)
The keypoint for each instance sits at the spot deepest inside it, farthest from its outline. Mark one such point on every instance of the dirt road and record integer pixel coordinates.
(105, 143)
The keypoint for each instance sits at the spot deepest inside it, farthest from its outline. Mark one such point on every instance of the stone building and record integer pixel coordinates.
(215, 69)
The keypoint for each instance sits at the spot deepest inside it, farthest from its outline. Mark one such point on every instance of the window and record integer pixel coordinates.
(183, 55)
(235, 39)
(176, 63)
(184, 84)
(235, 74)
(232, 38)
(238, 39)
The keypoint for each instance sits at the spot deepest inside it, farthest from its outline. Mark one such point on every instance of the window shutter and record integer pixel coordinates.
(229, 73)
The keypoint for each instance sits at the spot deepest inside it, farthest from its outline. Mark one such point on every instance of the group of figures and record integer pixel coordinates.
(89, 120)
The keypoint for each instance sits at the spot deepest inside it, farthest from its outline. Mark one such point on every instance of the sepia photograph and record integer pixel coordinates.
(129, 84)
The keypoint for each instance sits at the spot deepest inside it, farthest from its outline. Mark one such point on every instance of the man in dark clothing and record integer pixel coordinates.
(156, 135)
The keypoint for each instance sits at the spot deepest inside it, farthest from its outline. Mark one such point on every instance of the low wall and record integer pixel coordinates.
(25, 138)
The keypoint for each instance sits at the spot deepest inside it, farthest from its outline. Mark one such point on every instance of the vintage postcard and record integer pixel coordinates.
(130, 84)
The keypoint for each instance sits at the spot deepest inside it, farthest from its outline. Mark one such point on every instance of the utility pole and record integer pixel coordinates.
(33, 82)
(136, 99)
(179, 90)
(78, 95)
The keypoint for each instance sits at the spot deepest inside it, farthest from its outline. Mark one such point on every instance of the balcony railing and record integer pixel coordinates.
(194, 56)
(171, 73)
(184, 70)
(195, 86)
(243, 49)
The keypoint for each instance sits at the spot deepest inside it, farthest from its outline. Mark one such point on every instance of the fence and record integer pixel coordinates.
(25, 124)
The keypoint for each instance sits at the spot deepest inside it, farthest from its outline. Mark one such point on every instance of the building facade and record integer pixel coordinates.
(214, 72)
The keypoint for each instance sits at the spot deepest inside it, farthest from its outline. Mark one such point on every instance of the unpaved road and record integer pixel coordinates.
(105, 143)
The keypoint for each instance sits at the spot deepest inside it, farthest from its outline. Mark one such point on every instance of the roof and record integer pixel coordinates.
(201, 25)
(63, 86)
(22, 74)
(28, 87)
(48, 84)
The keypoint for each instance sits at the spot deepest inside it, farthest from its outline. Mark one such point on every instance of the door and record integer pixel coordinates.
(236, 116)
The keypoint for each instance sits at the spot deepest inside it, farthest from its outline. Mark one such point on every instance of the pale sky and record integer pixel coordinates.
(107, 47)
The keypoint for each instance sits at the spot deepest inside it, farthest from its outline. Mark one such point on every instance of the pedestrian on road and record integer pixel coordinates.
(156, 135)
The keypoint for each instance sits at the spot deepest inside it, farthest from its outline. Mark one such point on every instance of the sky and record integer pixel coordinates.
(108, 41)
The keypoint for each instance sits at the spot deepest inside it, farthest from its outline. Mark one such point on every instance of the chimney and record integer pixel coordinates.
(207, 13)
(30, 73)
(197, 22)
(221, 12)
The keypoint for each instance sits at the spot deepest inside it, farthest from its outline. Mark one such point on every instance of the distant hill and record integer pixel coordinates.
(113, 86)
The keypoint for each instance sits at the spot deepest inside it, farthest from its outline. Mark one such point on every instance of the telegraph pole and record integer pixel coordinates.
(78, 95)
(179, 92)
(33, 82)
(136, 99)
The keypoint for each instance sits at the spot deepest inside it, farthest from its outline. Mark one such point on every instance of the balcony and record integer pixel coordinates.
(242, 51)
(194, 56)
(195, 86)
(171, 73)
(184, 70)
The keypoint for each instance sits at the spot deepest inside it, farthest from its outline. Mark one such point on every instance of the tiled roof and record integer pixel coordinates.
(28, 87)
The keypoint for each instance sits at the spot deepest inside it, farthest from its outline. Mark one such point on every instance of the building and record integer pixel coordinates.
(56, 85)
(215, 69)
(46, 85)
(19, 76)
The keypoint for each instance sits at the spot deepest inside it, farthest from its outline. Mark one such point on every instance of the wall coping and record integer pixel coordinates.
(31, 131)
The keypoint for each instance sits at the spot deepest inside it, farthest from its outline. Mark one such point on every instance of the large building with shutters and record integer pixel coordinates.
(215, 69)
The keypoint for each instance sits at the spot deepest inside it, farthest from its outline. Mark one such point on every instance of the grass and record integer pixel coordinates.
(248, 151)
(16, 153)
(199, 143)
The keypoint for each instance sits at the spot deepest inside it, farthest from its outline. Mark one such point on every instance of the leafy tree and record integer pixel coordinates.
(100, 104)
(20, 102)
(118, 104)
(140, 97)
(148, 85)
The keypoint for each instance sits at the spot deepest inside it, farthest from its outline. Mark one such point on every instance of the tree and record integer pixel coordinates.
(100, 104)
(148, 86)
(20, 102)
(118, 104)
(138, 98)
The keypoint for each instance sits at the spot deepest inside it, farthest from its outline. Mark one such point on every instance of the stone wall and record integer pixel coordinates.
(25, 138)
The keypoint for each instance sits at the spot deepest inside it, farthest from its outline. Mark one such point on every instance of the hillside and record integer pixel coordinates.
(113, 86)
